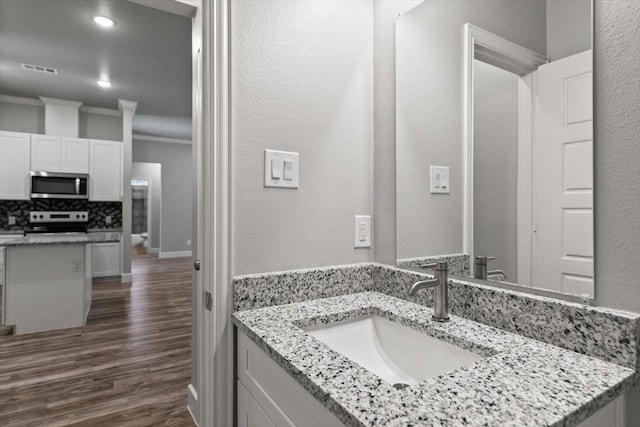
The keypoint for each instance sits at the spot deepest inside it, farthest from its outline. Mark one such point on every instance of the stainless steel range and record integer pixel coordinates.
(57, 222)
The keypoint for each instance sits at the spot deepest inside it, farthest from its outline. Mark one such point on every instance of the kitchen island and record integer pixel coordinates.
(48, 280)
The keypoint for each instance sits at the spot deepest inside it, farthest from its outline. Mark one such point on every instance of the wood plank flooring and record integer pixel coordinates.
(129, 366)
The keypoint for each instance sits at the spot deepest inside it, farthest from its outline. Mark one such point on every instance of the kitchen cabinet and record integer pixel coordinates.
(59, 154)
(105, 170)
(105, 259)
(74, 155)
(45, 153)
(15, 155)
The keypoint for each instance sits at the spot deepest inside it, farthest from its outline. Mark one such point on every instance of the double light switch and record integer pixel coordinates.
(280, 169)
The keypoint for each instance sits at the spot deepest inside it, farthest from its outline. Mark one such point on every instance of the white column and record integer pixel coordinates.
(128, 109)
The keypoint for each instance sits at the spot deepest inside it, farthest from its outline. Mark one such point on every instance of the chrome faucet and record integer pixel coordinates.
(440, 283)
(480, 270)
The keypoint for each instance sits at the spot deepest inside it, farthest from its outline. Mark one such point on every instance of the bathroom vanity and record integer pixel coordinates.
(303, 363)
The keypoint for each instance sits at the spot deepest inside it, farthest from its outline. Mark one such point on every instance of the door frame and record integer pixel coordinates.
(500, 52)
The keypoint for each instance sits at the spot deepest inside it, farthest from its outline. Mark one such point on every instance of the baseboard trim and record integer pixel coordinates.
(153, 250)
(126, 278)
(192, 403)
(174, 254)
(98, 279)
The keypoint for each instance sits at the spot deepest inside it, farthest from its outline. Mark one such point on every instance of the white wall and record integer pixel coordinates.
(429, 110)
(301, 81)
(385, 13)
(495, 166)
(152, 172)
(568, 27)
(617, 154)
(176, 218)
(21, 118)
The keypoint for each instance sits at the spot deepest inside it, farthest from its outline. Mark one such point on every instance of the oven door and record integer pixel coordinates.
(47, 185)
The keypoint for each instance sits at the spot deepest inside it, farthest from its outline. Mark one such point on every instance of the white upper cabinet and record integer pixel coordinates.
(15, 154)
(45, 153)
(59, 154)
(105, 170)
(74, 155)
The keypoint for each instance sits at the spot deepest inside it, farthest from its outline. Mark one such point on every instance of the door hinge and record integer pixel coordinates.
(208, 300)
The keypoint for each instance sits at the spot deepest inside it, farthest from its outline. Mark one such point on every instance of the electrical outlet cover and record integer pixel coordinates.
(362, 232)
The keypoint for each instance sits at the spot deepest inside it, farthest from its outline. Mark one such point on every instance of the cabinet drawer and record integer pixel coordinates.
(284, 401)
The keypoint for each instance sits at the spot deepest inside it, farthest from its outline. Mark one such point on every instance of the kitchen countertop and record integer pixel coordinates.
(519, 382)
(62, 239)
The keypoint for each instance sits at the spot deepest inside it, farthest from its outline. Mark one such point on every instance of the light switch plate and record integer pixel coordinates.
(439, 179)
(12, 220)
(287, 178)
(362, 232)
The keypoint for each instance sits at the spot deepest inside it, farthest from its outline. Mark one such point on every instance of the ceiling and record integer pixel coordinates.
(146, 56)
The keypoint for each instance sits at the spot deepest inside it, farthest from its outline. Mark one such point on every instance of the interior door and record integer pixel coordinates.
(563, 227)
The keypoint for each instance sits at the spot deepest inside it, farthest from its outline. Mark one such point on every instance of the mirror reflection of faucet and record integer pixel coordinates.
(480, 270)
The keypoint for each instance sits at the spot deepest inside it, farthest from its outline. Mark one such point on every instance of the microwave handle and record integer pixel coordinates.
(78, 186)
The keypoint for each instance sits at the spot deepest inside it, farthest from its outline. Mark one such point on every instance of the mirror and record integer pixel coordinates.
(494, 159)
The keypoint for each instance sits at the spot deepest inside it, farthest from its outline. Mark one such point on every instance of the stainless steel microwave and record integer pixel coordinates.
(54, 185)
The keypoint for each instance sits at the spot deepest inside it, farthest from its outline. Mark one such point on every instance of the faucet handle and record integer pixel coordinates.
(430, 265)
(440, 266)
(483, 259)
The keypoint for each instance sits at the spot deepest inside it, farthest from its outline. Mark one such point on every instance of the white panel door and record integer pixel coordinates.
(105, 170)
(15, 163)
(563, 227)
(75, 155)
(45, 153)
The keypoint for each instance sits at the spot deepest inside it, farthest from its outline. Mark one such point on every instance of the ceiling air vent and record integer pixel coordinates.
(39, 68)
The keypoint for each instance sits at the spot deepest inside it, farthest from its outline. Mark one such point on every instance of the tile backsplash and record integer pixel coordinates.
(98, 211)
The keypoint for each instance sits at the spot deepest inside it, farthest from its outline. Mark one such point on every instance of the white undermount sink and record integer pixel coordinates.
(395, 353)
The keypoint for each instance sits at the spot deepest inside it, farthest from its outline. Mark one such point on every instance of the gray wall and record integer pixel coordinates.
(385, 13)
(429, 110)
(495, 163)
(30, 119)
(100, 126)
(301, 81)
(617, 154)
(176, 218)
(152, 172)
(21, 118)
(568, 27)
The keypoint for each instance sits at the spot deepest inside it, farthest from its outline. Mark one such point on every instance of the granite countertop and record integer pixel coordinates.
(520, 381)
(62, 239)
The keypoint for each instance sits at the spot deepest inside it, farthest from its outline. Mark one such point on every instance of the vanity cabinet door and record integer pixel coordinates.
(250, 414)
(15, 154)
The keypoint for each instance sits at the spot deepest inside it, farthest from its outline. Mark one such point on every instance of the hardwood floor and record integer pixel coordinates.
(129, 366)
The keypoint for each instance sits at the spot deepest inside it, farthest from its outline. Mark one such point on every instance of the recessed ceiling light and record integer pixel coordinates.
(103, 21)
(104, 83)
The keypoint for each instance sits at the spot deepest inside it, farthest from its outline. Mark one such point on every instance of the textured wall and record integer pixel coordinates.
(301, 81)
(617, 153)
(176, 176)
(385, 13)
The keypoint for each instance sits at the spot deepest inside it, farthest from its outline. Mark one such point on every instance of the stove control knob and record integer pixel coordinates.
(77, 216)
(41, 216)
